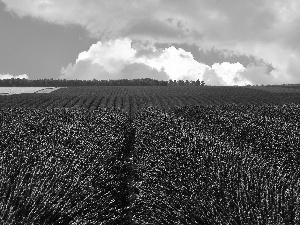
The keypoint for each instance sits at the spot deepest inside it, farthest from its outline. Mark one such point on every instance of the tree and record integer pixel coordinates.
(181, 83)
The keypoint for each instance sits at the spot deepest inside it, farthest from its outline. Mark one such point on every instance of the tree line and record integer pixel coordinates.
(122, 82)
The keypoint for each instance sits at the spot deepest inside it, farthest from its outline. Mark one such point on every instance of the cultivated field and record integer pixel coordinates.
(135, 98)
(150, 155)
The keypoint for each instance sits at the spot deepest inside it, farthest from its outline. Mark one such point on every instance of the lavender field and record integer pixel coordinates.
(138, 157)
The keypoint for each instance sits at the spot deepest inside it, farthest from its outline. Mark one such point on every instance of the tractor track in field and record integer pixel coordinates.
(129, 170)
(129, 175)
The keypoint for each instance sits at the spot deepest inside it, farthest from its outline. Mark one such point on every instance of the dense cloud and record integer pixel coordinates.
(9, 76)
(268, 29)
(121, 59)
(230, 74)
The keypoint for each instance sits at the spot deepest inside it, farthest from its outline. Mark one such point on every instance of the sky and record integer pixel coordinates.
(223, 42)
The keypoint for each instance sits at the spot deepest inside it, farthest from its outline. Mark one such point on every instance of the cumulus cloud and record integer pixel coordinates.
(230, 73)
(9, 76)
(123, 59)
(268, 29)
(119, 60)
(177, 63)
(226, 74)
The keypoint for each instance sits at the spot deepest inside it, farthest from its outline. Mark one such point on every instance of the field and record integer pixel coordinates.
(151, 155)
(135, 98)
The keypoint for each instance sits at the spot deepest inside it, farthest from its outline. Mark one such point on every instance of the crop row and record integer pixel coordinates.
(278, 89)
(63, 166)
(218, 165)
(168, 90)
(135, 98)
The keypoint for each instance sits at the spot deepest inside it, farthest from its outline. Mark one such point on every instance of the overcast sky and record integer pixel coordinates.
(223, 42)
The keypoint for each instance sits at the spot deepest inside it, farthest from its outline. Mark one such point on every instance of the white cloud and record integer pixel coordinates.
(230, 73)
(226, 74)
(102, 61)
(112, 55)
(111, 60)
(9, 76)
(177, 63)
(119, 60)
